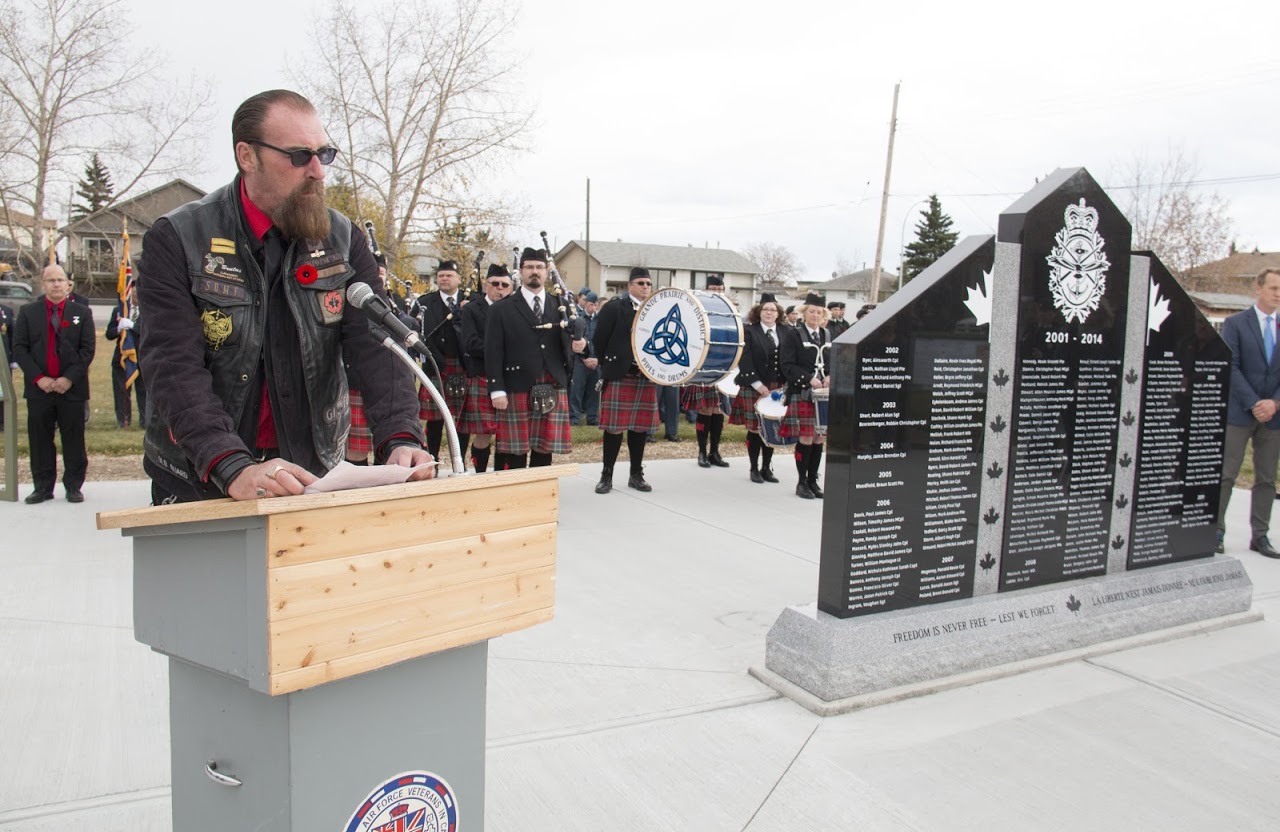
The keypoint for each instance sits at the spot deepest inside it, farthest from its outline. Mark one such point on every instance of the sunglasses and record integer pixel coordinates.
(643, 282)
(301, 157)
(499, 284)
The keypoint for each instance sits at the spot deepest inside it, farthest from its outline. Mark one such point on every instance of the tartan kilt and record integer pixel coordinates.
(478, 417)
(699, 397)
(744, 408)
(427, 410)
(631, 403)
(801, 420)
(360, 439)
(521, 430)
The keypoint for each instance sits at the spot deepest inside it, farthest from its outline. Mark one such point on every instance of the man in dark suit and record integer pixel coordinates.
(441, 328)
(1251, 409)
(53, 342)
(629, 401)
(527, 356)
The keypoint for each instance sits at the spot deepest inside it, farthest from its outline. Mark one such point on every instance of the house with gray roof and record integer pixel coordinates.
(856, 288)
(685, 267)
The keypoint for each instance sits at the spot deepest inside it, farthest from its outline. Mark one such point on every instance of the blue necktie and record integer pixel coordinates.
(1269, 338)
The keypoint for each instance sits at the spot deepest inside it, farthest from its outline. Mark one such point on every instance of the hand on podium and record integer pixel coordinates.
(273, 478)
(407, 457)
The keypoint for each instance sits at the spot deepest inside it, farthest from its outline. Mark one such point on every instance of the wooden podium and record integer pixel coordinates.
(322, 645)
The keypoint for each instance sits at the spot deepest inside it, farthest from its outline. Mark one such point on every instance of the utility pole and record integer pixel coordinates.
(884, 197)
(587, 267)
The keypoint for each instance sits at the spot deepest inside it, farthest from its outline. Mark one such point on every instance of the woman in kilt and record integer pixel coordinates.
(705, 399)
(805, 354)
(479, 419)
(759, 372)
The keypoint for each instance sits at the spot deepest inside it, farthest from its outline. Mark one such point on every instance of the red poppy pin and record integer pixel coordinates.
(66, 324)
(306, 274)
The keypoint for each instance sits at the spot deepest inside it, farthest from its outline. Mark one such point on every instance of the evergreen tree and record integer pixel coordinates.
(95, 188)
(934, 238)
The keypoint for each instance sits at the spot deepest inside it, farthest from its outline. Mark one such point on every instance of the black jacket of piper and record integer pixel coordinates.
(798, 356)
(219, 323)
(443, 338)
(474, 317)
(516, 354)
(612, 339)
(759, 361)
(76, 346)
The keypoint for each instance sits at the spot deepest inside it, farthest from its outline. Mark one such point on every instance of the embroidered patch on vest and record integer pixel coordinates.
(217, 327)
(331, 305)
(221, 288)
(220, 245)
(219, 267)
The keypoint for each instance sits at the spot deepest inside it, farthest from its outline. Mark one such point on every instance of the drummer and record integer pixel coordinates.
(758, 373)
(705, 399)
(805, 355)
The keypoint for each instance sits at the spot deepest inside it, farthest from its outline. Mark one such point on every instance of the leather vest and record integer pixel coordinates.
(229, 291)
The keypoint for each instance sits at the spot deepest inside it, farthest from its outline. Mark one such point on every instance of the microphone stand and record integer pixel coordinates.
(455, 449)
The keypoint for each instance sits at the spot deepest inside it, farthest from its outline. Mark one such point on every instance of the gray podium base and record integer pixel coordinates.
(831, 665)
(308, 760)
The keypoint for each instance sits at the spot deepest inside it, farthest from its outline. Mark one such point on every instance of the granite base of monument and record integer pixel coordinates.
(840, 661)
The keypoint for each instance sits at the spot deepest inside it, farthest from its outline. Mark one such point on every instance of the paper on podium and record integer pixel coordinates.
(347, 476)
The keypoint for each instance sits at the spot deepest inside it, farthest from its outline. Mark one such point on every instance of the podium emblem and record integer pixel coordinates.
(413, 801)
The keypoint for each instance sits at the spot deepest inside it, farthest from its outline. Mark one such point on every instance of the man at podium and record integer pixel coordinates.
(248, 325)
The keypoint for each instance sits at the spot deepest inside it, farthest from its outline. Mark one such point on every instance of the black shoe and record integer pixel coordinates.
(702, 460)
(650, 439)
(673, 438)
(1262, 546)
(756, 476)
(767, 475)
(802, 490)
(637, 482)
(37, 497)
(815, 488)
(606, 482)
(715, 459)
(1219, 548)
(75, 496)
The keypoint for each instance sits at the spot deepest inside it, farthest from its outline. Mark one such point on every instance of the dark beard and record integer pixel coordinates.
(533, 283)
(303, 215)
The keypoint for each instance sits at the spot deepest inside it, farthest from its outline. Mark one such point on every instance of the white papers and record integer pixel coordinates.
(346, 476)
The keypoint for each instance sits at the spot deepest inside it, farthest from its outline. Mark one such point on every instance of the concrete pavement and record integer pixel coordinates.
(633, 708)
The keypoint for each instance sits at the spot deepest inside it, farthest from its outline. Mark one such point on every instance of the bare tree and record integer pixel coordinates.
(419, 97)
(1184, 227)
(778, 266)
(67, 80)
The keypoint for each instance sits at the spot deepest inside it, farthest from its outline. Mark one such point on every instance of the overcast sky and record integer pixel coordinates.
(727, 123)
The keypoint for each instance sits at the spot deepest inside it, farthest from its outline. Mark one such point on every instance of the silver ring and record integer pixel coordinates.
(262, 492)
(275, 469)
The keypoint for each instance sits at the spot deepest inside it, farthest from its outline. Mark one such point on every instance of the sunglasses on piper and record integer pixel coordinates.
(301, 157)
(500, 284)
(643, 282)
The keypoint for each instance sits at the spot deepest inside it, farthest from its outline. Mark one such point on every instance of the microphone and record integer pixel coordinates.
(362, 297)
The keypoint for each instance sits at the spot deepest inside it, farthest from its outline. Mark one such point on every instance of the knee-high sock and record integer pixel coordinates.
(612, 445)
(702, 433)
(715, 426)
(753, 450)
(767, 453)
(537, 459)
(802, 460)
(480, 458)
(435, 432)
(635, 448)
(815, 459)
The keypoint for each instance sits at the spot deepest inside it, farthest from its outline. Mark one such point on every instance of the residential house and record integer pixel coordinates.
(1218, 306)
(16, 237)
(1234, 274)
(685, 267)
(856, 289)
(94, 241)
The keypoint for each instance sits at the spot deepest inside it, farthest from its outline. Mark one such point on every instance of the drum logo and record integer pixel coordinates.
(414, 801)
(1077, 264)
(669, 342)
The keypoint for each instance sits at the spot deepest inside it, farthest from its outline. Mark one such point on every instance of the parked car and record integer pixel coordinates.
(14, 294)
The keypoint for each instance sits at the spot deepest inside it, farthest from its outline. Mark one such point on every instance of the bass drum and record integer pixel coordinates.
(771, 410)
(686, 337)
(727, 385)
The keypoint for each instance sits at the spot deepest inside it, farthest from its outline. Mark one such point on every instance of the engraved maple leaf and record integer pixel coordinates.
(991, 516)
(1122, 501)
(1128, 419)
(1126, 460)
(1157, 309)
(979, 302)
(1118, 543)
(999, 424)
(1073, 603)
(1001, 378)
(1131, 376)
(987, 562)
(995, 471)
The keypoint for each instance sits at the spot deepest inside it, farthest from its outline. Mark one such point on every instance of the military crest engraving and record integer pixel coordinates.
(1077, 264)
